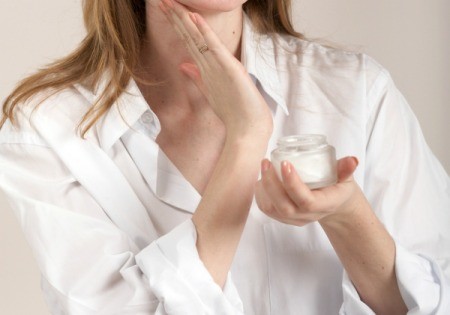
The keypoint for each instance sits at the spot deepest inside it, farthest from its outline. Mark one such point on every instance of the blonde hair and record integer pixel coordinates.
(112, 44)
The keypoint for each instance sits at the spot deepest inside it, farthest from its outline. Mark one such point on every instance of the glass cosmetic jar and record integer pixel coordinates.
(313, 158)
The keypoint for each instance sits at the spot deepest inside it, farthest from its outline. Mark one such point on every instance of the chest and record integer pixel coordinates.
(193, 145)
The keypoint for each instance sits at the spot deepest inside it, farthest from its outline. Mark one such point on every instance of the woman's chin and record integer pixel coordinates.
(209, 6)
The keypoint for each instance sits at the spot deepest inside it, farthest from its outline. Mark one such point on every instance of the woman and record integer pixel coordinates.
(149, 210)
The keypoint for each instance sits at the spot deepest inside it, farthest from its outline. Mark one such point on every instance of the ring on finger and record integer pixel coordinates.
(203, 48)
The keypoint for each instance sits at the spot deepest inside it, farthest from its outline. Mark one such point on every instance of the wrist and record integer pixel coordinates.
(349, 213)
(259, 130)
(249, 139)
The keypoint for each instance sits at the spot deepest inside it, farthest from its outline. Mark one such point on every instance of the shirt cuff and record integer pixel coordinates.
(421, 282)
(352, 302)
(179, 278)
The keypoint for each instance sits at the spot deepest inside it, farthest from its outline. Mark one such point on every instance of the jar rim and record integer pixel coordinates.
(302, 142)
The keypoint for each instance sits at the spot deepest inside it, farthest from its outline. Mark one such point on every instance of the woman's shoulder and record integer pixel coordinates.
(319, 58)
(66, 106)
(69, 101)
(324, 55)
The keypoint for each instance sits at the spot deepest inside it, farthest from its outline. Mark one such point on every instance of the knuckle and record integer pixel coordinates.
(269, 210)
(285, 210)
(306, 204)
(264, 207)
(260, 202)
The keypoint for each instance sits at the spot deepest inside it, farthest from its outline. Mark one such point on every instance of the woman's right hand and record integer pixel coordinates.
(220, 76)
(223, 210)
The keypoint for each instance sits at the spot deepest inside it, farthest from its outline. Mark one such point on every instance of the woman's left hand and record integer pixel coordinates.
(364, 246)
(290, 201)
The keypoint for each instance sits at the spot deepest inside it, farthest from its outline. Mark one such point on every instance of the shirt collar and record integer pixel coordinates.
(124, 112)
(258, 56)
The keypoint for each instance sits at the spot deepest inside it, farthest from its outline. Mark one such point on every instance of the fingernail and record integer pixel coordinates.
(356, 160)
(192, 16)
(265, 165)
(197, 16)
(286, 166)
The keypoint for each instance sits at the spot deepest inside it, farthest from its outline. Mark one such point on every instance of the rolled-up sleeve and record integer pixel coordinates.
(90, 266)
(409, 190)
(178, 277)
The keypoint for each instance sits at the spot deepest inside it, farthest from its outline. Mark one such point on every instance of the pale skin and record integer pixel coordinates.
(220, 154)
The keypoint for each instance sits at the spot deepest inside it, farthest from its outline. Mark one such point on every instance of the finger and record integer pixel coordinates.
(325, 198)
(276, 192)
(184, 20)
(187, 22)
(266, 206)
(295, 188)
(262, 201)
(217, 51)
(208, 34)
(184, 29)
(345, 168)
(312, 205)
(193, 73)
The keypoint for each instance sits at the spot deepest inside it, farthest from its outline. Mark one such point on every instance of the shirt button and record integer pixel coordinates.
(147, 118)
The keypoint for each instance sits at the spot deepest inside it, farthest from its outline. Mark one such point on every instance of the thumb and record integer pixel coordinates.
(345, 167)
(192, 71)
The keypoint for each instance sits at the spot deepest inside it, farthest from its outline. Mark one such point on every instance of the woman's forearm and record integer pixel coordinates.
(367, 252)
(223, 210)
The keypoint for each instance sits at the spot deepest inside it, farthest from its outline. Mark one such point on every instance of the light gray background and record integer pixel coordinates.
(411, 38)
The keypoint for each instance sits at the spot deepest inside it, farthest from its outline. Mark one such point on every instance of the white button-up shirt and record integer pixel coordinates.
(108, 218)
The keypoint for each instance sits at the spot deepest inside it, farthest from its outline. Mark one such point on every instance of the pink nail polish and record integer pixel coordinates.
(193, 18)
(286, 166)
(197, 17)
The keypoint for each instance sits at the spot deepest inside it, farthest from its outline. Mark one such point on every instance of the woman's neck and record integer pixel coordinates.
(163, 52)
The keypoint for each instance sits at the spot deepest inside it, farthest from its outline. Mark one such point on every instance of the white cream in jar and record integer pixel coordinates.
(313, 158)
